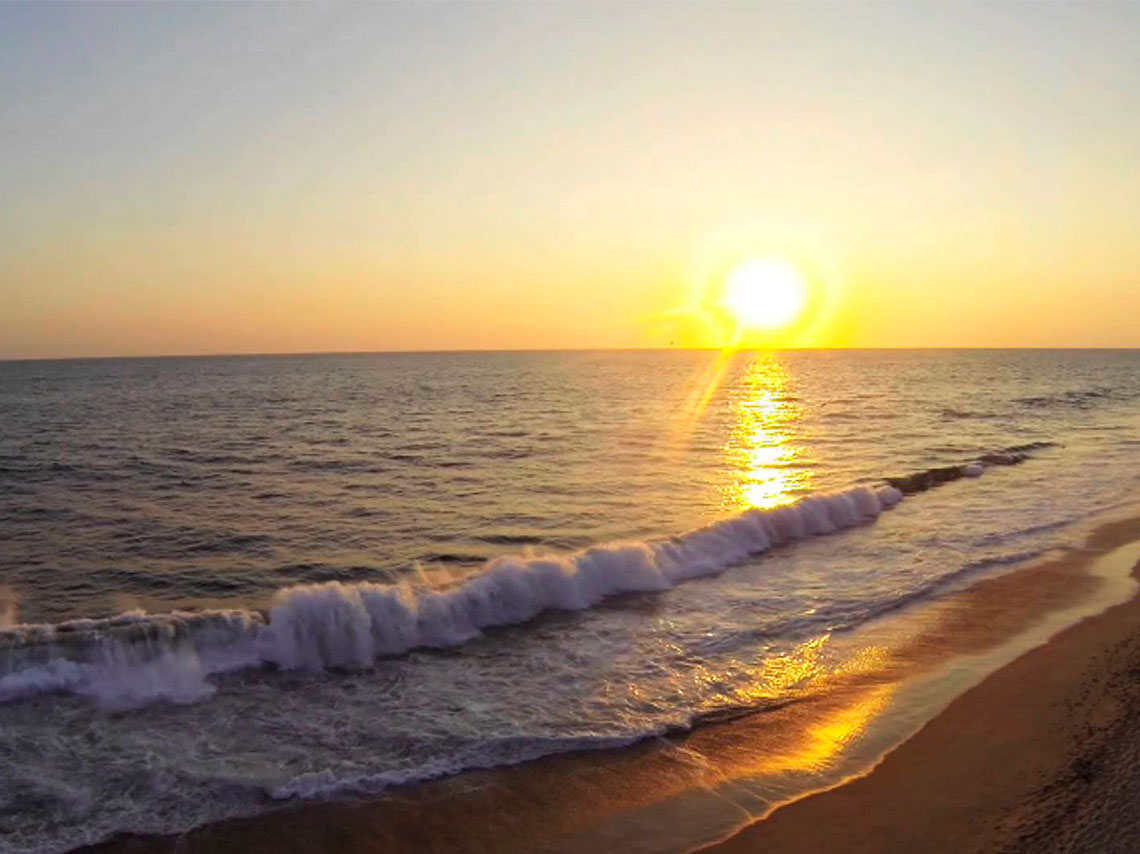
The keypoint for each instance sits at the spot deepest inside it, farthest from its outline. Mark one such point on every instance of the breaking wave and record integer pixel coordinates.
(135, 658)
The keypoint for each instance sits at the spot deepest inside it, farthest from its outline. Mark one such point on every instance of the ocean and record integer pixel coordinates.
(231, 583)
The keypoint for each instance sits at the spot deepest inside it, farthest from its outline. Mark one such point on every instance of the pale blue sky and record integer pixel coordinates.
(227, 177)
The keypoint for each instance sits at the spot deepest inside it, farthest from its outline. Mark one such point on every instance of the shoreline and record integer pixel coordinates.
(1037, 757)
(584, 801)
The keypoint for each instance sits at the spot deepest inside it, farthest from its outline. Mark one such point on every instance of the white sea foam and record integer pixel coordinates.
(350, 625)
(326, 783)
(176, 676)
(136, 659)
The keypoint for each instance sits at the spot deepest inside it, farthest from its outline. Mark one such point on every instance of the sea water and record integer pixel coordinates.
(230, 582)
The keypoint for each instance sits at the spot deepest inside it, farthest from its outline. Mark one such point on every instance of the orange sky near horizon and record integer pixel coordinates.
(271, 178)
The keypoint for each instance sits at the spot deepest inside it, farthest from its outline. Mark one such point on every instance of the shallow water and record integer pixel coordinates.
(243, 486)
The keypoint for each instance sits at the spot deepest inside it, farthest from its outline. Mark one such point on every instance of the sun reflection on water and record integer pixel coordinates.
(762, 452)
(782, 673)
(824, 740)
(853, 690)
(856, 696)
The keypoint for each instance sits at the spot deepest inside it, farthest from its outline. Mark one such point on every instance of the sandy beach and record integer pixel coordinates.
(1034, 758)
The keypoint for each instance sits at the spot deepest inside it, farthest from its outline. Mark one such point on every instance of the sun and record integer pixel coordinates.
(765, 293)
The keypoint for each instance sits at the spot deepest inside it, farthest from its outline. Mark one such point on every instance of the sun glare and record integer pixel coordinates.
(765, 293)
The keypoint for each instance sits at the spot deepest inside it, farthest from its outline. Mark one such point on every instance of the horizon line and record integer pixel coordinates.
(474, 350)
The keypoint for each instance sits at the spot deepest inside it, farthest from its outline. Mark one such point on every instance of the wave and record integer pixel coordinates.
(1075, 398)
(326, 783)
(912, 484)
(847, 615)
(1080, 399)
(499, 752)
(135, 659)
(963, 414)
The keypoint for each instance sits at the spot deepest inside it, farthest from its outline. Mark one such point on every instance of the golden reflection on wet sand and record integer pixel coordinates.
(826, 738)
(840, 724)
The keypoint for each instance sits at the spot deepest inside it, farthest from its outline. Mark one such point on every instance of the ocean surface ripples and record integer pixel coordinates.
(393, 567)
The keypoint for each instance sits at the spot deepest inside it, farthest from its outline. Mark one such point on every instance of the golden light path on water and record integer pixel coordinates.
(767, 463)
(762, 449)
(770, 465)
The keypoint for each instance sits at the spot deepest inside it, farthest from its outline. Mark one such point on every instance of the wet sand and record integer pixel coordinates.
(1042, 756)
(1008, 766)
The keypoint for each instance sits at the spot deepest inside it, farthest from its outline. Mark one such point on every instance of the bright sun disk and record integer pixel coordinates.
(765, 293)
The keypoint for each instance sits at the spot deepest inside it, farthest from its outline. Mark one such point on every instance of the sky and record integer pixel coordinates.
(230, 178)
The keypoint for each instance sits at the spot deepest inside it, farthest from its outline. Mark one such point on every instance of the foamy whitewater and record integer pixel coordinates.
(226, 583)
(135, 658)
